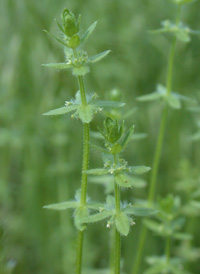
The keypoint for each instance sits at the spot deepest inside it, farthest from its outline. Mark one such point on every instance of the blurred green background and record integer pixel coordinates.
(40, 157)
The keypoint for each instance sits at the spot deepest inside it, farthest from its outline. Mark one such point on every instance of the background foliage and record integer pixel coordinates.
(40, 158)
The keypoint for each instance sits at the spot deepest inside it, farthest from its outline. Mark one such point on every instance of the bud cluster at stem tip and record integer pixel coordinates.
(71, 27)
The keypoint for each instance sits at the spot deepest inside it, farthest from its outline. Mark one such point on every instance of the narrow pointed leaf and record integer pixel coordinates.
(139, 211)
(60, 27)
(127, 137)
(101, 149)
(88, 32)
(58, 65)
(95, 206)
(107, 104)
(61, 111)
(56, 38)
(154, 226)
(138, 182)
(173, 102)
(81, 71)
(195, 204)
(86, 113)
(97, 171)
(183, 35)
(158, 31)
(122, 223)
(123, 180)
(156, 269)
(137, 170)
(62, 206)
(99, 56)
(98, 217)
(80, 214)
(182, 236)
(150, 97)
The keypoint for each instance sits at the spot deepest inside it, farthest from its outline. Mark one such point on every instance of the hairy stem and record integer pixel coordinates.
(117, 234)
(157, 155)
(85, 164)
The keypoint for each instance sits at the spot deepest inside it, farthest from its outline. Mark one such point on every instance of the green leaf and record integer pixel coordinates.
(97, 171)
(195, 204)
(81, 70)
(86, 113)
(138, 182)
(150, 97)
(58, 65)
(62, 110)
(88, 32)
(116, 148)
(139, 211)
(137, 170)
(57, 39)
(98, 217)
(123, 180)
(99, 56)
(101, 149)
(156, 269)
(80, 214)
(62, 205)
(173, 102)
(127, 137)
(107, 104)
(95, 206)
(154, 226)
(110, 202)
(182, 2)
(122, 223)
(182, 236)
(60, 27)
(183, 35)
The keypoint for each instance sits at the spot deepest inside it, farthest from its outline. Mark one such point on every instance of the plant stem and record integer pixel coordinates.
(85, 164)
(117, 234)
(168, 249)
(79, 252)
(159, 145)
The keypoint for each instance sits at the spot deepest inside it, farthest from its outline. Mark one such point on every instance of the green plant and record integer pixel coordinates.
(84, 106)
(119, 214)
(169, 224)
(169, 99)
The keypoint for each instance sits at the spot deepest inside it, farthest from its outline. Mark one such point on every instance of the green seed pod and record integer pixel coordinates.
(74, 41)
(70, 23)
(112, 130)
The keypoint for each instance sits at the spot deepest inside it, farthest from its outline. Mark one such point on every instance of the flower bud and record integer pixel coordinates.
(70, 23)
(112, 130)
(74, 41)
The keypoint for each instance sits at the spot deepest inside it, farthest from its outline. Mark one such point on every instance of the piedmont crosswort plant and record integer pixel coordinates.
(169, 99)
(84, 106)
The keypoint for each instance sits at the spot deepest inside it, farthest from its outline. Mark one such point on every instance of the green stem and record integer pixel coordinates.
(168, 249)
(79, 252)
(157, 155)
(86, 139)
(117, 234)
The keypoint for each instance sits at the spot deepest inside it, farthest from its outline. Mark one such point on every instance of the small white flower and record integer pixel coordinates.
(108, 224)
(133, 223)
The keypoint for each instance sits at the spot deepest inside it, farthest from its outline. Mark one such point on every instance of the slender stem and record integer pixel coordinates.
(82, 90)
(117, 251)
(117, 234)
(157, 155)
(86, 138)
(168, 249)
(79, 249)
